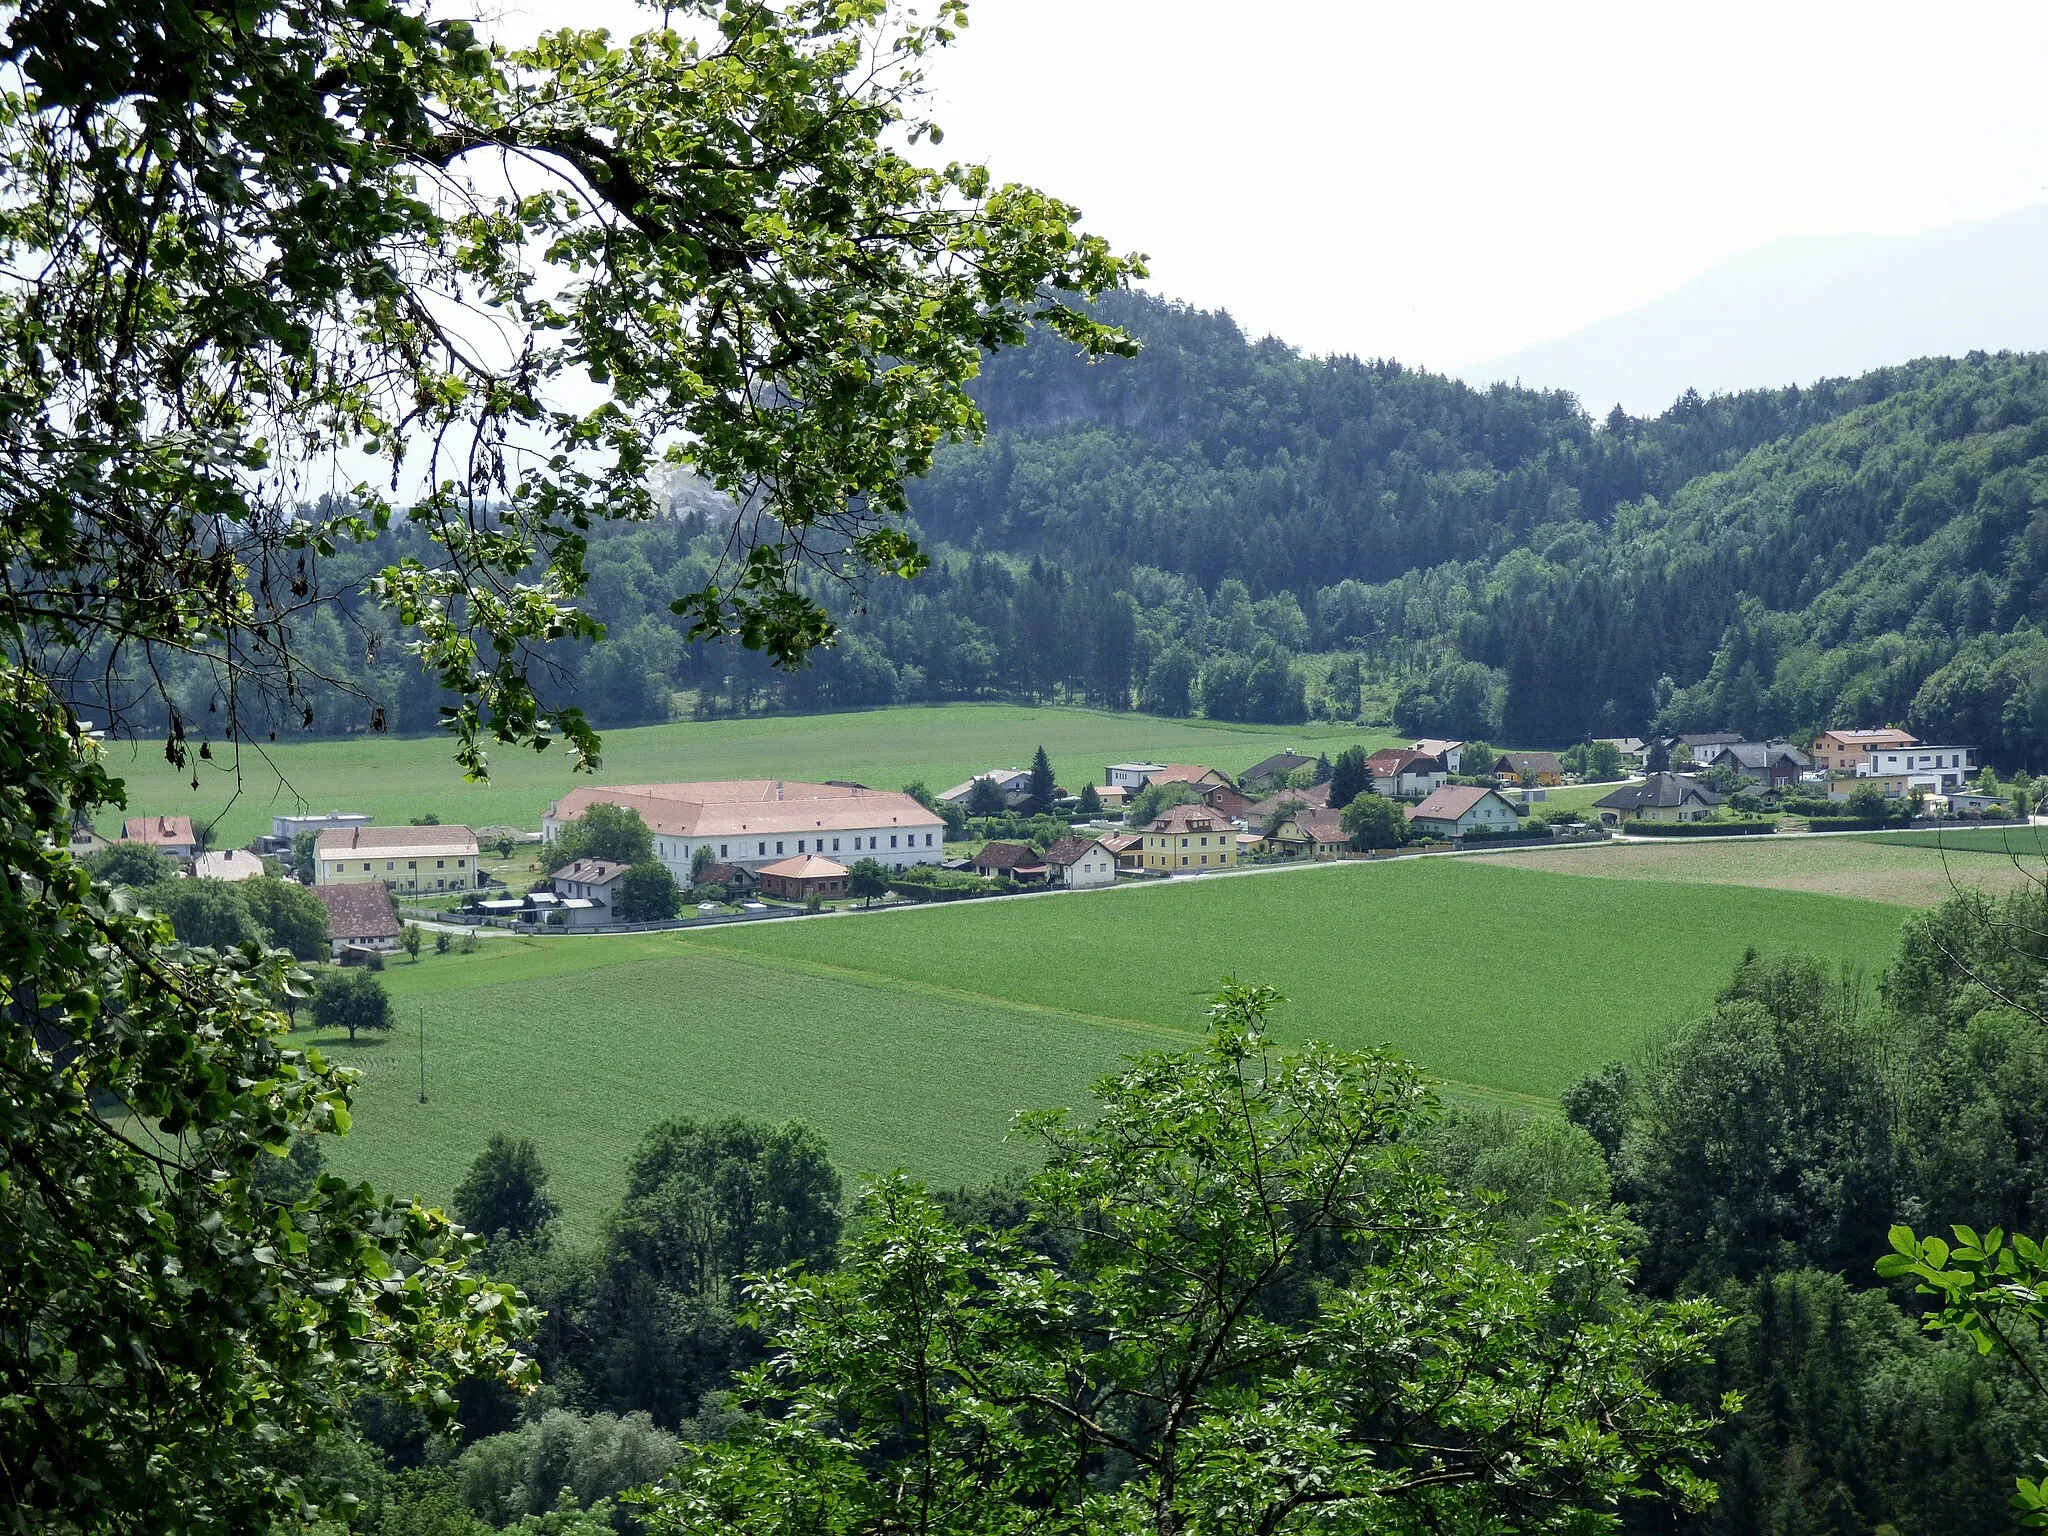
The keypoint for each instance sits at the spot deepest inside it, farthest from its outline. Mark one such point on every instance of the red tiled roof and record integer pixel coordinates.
(804, 866)
(1325, 825)
(1004, 856)
(751, 807)
(1389, 761)
(1449, 802)
(1187, 773)
(453, 841)
(1189, 818)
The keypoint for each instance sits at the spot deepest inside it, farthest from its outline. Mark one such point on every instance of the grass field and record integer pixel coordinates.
(394, 780)
(1911, 874)
(911, 1038)
(2029, 842)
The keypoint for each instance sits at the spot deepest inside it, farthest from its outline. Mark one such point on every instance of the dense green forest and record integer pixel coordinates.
(1227, 527)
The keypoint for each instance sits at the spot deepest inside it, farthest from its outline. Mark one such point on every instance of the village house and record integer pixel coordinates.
(754, 822)
(1447, 753)
(1014, 784)
(1893, 786)
(1317, 834)
(358, 917)
(1772, 764)
(802, 876)
(1128, 848)
(1404, 773)
(1226, 801)
(1080, 863)
(1661, 797)
(85, 841)
(1940, 769)
(1189, 839)
(236, 864)
(587, 891)
(1633, 749)
(1849, 751)
(1130, 777)
(1529, 768)
(1018, 861)
(1270, 773)
(1455, 809)
(171, 836)
(410, 859)
(1191, 773)
(1315, 797)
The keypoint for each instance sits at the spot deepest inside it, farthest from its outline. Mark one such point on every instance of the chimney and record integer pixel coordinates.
(778, 789)
(355, 837)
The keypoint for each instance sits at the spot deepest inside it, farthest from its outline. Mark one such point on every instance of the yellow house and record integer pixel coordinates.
(1314, 834)
(1189, 839)
(397, 858)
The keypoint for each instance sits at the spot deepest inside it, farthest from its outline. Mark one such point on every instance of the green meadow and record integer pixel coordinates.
(910, 1038)
(2027, 842)
(394, 780)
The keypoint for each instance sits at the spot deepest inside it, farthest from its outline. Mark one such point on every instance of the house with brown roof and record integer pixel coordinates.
(1128, 848)
(1189, 839)
(802, 876)
(409, 859)
(1019, 861)
(1315, 797)
(171, 836)
(1660, 797)
(1190, 773)
(1456, 809)
(1317, 834)
(1079, 863)
(359, 916)
(1404, 773)
(1447, 752)
(753, 822)
(1529, 768)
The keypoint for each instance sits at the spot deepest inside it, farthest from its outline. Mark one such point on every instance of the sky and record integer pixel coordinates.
(1447, 183)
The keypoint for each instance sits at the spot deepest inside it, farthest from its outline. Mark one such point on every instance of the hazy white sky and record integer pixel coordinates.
(1445, 183)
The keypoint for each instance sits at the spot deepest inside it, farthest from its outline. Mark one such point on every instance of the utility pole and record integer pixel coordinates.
(423, 1053)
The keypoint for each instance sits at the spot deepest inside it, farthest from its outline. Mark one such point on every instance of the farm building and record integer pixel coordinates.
(755, 822)
(398, 858)
(358, 916)
(1456, 809)
(802, 876)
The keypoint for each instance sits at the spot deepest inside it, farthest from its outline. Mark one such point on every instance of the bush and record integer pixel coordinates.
(647, 893)
(926, 883)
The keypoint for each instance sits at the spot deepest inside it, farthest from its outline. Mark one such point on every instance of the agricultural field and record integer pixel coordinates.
(394, 780)
(910, 1038)
(1902, 870)
(2027, 842)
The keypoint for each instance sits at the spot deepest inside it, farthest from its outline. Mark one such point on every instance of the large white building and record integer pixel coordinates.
(398, 858)
(752, 822)
(1937, 768)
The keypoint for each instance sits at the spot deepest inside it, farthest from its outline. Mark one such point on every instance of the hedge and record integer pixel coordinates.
(1701, 828)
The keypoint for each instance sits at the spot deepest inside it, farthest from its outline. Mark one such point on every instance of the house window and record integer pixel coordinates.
(927, 839)
(440, 864)
(412, 863)
(799, 845)
(892, 839)
(760, 849)
(462, 863)
(366, 867)
(387, 863)
(1183, 858)
(721, 850)
(835, 845)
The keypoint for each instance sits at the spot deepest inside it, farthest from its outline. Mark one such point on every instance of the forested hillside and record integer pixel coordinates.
(1227, 527)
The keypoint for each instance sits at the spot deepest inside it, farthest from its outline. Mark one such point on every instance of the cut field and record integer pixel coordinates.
(394, 780)
(2026, 842)
(1871, 868)
(910, 1038)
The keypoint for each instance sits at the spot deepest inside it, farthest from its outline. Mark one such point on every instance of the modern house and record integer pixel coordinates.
(802, 876)
(1660, 797)
(1773, 764)
(1448, 753)
(234, 865)
(1849, 751)
(1272, 772)
(1940, 769)
(1317, 834)
(1130, 777)
(358, 917)
(171, 836)
(1529, 768)
(1013, 784)
(1079, 863)
(1455, 809)
(1189, 839)
(754, 822)
(1893, 786)
(410, 859)
(285, 830)
(1404, 773)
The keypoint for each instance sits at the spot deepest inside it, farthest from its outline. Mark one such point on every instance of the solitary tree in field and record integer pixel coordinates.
(411, 941)
(350, 999)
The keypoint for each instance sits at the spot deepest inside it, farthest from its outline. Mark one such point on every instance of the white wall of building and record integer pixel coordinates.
(893, 847)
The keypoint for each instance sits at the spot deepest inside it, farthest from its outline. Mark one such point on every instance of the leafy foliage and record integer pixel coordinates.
(504, 1195)
(648, 893)
(350, 999)
(1178, 1364)
(616, 833)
